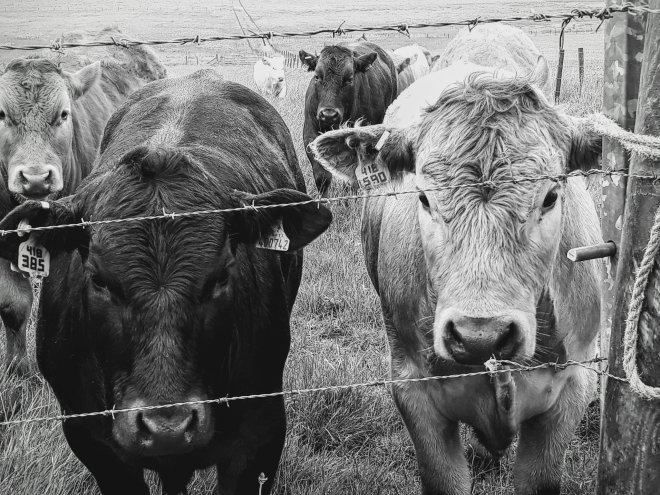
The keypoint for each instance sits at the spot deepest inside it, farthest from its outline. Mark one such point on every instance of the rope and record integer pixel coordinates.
(646, 146)
(492, 366)
(635, 310)
(601, 14)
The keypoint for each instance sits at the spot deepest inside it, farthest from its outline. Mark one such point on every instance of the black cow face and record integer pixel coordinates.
(161, 297)
(335, 74)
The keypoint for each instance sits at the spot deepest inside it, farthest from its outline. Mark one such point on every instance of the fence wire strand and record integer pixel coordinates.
(601, 14)
(493, 368)
(319, 201)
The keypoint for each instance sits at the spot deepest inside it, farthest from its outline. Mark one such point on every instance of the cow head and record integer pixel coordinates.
(37, 119)
(489, 248)
(275, 73)
(163, 297)
(335, 71)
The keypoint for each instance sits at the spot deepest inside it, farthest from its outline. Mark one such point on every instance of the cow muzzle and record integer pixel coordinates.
(474, 340)
(35, 182)
(329, 116)
(165, 431)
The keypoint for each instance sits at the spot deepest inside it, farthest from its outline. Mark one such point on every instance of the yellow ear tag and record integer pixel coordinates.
(277, 240)
(33, 258)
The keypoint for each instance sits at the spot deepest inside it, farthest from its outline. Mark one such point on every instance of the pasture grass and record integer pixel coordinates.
(344, 442)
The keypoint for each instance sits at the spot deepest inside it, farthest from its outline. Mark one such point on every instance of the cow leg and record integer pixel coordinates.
(15, 306)
(544, 439)
(265, 430)
(113, 476)
(442, 465)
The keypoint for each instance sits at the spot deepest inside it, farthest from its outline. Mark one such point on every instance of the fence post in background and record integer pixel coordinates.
(624, 46)
(629, 461)
(581, 66)
(560, 72)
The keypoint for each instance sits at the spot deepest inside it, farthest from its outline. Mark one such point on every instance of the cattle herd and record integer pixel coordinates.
(180, 310)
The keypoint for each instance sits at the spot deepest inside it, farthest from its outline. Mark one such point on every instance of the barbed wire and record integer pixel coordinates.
(601, 14)
(319, 201)
(493, 368)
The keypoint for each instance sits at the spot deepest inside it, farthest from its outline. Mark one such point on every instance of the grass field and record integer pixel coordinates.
(348, 442)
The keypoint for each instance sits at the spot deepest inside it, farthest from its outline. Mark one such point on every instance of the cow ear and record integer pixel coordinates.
(363, 63)
(342, 151)
(308, 59)
(80, 82)
(586, 146)
(43, 214)
(301, 223)
(402, 66)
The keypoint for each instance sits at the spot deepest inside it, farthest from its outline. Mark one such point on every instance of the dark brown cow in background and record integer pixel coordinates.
(52, 114)
(351, 81)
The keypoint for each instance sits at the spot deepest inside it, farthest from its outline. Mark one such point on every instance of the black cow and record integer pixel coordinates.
(351, 81)
(175, 310)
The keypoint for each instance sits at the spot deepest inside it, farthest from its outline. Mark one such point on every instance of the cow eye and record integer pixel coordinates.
(424, 200)
(98, 281)
(64, 116)
(317, 78)
(348, 81)
(550, 199)
(2, 115)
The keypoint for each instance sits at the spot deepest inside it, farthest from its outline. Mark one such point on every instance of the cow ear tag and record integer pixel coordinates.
(277, 240)
(33, 258)
(373, 173)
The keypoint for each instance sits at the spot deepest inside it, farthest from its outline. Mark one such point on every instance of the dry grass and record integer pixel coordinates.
(344, 442)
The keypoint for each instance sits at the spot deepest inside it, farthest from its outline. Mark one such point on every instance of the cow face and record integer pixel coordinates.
(276, 76)
(163, 298)
(489, 248)
(37, 116)
(335, 72)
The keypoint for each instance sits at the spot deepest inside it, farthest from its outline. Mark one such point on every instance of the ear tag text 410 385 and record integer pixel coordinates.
(33, 258)
(277, 240)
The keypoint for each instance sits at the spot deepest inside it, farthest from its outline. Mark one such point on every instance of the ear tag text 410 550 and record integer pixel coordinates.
(373, 173)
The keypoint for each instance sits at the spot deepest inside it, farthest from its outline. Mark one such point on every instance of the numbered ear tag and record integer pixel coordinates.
(277, 240)
(371, 175)
(33, 258)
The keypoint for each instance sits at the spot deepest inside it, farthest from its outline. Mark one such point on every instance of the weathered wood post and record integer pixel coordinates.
(630, 427)
(581, 66)
(624, 45)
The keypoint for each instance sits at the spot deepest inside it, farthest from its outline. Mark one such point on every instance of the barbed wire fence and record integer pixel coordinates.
(600, 14)
(645, 145)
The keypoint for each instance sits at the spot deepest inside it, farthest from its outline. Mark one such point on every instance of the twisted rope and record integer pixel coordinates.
(493, 368)
(647, 146)
(602, 14)
(634, 312)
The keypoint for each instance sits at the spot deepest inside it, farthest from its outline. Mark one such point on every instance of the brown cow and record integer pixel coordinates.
(52, 115)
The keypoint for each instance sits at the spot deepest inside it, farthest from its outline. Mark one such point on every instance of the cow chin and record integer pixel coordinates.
(175, 430)
(467, 340)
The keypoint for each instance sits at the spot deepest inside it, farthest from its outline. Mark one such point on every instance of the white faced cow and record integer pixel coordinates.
(467, 271)
(496, 45)
(269, 76)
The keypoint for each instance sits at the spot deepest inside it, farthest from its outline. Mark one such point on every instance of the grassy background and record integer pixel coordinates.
(344, 442)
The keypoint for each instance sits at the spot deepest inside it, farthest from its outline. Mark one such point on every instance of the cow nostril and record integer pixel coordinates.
(507, 339)
(453, 333)
(141, 425)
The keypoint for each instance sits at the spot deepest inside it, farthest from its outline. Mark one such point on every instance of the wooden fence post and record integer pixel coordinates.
(581, 66)
(630, 426)
(624, 45)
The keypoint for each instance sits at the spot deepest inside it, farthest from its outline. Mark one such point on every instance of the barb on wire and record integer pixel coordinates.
(482, 184)
(492, 368)
(602, 14)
